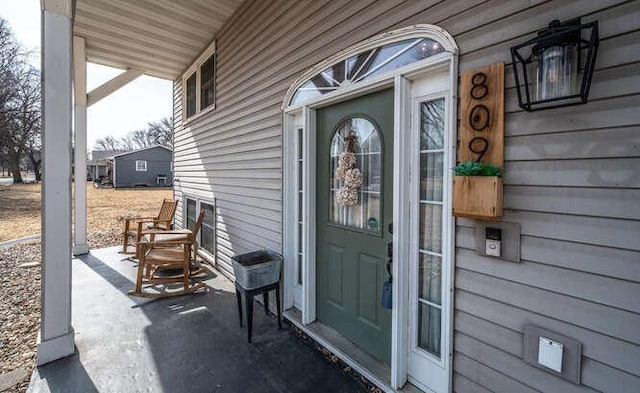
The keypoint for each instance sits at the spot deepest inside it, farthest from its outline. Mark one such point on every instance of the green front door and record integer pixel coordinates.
(354, 213)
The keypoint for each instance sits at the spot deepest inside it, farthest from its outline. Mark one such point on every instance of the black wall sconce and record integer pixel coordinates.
(554, 69)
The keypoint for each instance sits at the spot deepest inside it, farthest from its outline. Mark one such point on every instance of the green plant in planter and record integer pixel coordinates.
(472, 168)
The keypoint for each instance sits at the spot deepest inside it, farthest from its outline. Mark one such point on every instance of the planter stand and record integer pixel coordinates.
(248, 302)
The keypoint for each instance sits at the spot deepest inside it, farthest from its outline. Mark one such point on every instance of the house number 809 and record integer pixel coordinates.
(479, 117)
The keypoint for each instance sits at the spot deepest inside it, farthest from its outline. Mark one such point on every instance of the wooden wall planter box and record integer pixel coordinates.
(478, 197)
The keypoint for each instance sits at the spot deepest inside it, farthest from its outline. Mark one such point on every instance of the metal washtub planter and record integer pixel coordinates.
(257, 269)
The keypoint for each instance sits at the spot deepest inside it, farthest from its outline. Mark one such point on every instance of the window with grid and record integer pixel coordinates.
(365, 65)
(364, 214)
(207, 83)
(207, 231)
(430, 221)
(191, 95)
(190, 214)
(199, 84)
(141, 166)
(300, 200)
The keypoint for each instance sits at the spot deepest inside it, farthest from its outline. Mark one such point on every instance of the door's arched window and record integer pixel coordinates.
(356, 175)
(366, 64)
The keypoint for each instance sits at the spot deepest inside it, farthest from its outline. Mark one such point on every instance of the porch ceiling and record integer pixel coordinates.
(159, 37)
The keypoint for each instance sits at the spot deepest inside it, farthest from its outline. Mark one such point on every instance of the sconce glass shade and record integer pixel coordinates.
(555, 68)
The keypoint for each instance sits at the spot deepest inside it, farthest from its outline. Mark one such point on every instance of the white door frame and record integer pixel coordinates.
(304, 116)
(422, 365)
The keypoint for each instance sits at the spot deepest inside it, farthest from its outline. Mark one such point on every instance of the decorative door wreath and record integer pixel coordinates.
(349, 176)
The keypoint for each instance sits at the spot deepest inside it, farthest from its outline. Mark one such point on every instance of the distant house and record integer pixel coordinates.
(146, 167)
(100, 164)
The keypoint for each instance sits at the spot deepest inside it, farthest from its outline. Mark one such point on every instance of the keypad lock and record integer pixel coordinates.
(386, 300)
(389, 258)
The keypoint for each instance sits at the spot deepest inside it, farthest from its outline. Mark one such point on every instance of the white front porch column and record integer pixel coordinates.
(80, 245)
(56, 332)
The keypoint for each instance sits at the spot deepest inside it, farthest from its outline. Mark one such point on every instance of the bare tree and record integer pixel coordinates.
(127, 142)
(8, 54)
(19, 104)
(28, 116)
(142, 138)
(156, 133)
(162, 132)
(108, 143)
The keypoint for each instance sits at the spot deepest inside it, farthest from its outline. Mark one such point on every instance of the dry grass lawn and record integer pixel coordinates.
(20, 207)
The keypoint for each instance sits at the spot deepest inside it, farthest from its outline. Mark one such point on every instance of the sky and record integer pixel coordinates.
(130, 108)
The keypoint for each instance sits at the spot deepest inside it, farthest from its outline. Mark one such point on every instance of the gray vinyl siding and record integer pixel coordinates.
(572, 180)
(158, 163)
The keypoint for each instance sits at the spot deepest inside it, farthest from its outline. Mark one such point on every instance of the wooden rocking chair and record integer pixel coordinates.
(133, 226)
(172, 250)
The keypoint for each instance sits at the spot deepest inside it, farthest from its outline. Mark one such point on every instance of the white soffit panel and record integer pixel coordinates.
(159, 37)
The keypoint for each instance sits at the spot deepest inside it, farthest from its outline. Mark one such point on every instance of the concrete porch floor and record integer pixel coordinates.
(184, 344)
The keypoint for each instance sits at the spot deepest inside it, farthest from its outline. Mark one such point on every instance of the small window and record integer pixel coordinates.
(141, 166)
(191, 95)
(199, 84)
(207, 83)
(207, 238)
(190, 216)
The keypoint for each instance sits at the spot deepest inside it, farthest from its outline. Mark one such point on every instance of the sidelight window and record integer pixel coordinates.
(300, 213)
(430, 223)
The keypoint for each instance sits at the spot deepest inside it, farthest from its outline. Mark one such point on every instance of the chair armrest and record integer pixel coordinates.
(165, 232)
(130, 218)
(165, 243)
(169, 242)
(154, 221)
(173, 237)
(161, 221)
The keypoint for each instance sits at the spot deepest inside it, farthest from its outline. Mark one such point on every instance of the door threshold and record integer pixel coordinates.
(374, 371)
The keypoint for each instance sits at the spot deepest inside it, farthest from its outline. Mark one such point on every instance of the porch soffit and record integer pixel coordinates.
(159, 37)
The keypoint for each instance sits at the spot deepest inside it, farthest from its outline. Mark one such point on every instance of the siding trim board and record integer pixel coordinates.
(571, 174)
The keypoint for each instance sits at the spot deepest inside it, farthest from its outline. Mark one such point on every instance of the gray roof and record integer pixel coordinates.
(105, 154)
(146, 148)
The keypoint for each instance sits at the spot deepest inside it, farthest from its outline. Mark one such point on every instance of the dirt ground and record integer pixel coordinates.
(20, 207)
(19, 264)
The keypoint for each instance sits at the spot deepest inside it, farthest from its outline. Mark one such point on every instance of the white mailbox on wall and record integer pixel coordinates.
(553, 352)
(550, 354)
